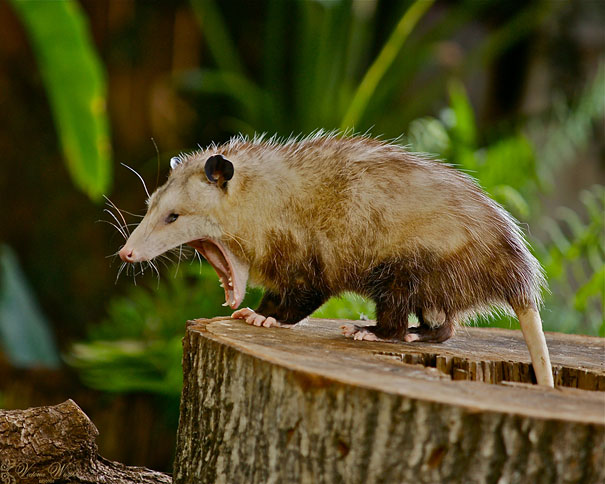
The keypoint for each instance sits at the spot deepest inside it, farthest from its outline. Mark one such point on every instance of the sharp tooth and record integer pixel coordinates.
(225, 304)
(222, 285)
(229, 279)
(230, 284)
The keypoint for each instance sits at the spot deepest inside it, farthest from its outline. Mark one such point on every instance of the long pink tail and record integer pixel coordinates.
(531, 326)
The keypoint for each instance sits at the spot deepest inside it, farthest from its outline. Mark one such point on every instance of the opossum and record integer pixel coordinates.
(309, 218)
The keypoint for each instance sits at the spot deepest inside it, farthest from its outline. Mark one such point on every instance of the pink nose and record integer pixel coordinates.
(126, 254)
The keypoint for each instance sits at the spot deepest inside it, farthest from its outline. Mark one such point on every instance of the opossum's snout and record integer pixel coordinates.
(127, 255)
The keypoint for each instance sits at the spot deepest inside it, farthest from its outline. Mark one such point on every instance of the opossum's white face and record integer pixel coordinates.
(183, 211)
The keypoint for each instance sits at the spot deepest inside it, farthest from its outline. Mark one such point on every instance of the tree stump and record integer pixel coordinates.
(57, 445)
(307, 405)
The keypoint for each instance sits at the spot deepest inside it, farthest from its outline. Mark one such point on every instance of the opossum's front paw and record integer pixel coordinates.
(252, 317)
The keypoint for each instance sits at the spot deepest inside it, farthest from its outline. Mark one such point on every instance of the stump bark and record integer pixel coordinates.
(57, 445)
(307, 405)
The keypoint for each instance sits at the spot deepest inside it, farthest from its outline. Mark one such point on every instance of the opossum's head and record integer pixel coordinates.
(186, 210)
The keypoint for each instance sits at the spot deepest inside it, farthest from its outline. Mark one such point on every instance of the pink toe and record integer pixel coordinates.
(242, 313)
(410, 337)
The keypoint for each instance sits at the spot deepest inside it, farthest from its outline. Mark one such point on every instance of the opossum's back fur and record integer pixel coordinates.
(345, 213)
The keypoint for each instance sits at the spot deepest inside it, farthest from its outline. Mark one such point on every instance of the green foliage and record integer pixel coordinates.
(74, 80)
(383, 62)
(138, 346)
(321, 66)
(347, 306)
(574, 259)
(25, 334)
(567, 130)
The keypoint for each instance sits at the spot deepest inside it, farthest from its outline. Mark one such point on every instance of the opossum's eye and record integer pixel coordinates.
(171, 218)
(218, 170)
(174, 162)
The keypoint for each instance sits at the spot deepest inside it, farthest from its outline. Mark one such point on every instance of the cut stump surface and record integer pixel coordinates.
(307, 405)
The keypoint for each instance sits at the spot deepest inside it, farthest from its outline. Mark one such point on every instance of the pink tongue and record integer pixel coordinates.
(232, 271)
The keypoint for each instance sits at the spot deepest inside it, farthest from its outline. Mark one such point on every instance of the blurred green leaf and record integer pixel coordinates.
(594, 201)
(347, 306)
(574, 259)
(570, 129)
(463, 129)
(512, 199)
(595, 286)
(130, 365)
(25, 336)
(429, 135)
(74, 80)
(508, 161)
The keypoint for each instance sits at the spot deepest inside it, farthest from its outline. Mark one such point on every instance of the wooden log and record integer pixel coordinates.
(151, 440)
(57, 445)
(307, 405)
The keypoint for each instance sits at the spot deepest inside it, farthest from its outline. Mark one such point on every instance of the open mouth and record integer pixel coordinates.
(232, 271)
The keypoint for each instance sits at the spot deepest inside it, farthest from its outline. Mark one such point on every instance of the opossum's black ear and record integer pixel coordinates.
(218, 170)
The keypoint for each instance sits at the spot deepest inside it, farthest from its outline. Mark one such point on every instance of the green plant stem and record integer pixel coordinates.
(382, 63)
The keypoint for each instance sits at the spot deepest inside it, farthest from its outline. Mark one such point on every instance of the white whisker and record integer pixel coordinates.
(140, 177)
(163, 262)
(155, 268)
(122, 266)
(179, 260)
(118, 227)
(116, 207)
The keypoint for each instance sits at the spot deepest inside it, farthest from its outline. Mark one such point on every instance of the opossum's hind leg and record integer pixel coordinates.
(391, 322)
(434, 327)
(283, 310)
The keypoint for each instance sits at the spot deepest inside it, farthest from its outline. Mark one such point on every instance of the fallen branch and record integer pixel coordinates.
(58, 444)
